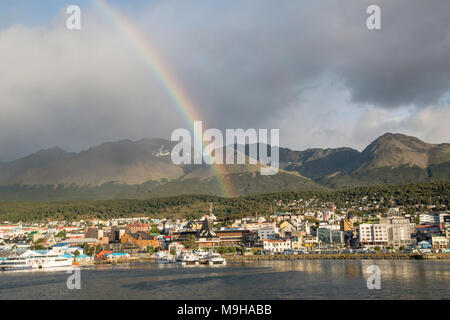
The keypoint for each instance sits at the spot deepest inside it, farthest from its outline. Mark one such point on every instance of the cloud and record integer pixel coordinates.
(75, 90)
(311, 69)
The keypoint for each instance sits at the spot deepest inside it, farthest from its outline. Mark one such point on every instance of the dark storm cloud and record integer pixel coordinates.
(257, 60)
(311, 68)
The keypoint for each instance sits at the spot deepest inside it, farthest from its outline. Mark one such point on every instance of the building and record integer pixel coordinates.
(447, 229)
(346, 225)
(141, 239)
(206, 237)
(235, 237)
(424, 232)
(255, 226)
(268, 232)
(137, 227)
(331, 234)
(175, 246)
(94, 233)
(438, 241)
(399, 231)
(373, 234)
(429, 218)
(277, 246)
(116, 256)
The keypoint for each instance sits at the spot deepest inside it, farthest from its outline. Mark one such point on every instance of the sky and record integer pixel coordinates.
(309, 68)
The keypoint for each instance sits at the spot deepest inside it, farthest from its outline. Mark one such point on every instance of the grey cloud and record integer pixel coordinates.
(311, 68)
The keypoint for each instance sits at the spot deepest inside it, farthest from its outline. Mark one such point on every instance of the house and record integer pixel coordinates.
(438, 241)
(141, 239)
(101, 255)
(117, 256)
(310, 241)
(297, 243)
(276, 245)
(176, 246)
(286, 228)
(137, 227)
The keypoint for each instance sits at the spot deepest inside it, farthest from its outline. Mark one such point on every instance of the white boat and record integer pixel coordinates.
(213, 258)
(36, 260)
(164, 257)
(201, 254)
(187, 258)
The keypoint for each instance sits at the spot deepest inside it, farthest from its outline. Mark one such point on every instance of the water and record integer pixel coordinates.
(299, 279)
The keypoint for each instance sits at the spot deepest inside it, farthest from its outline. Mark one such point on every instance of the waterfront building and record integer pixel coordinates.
(424, 232)
(438, 241)
(206, 237)
(399, 231)
(373, 234)
(447, 229)
(116, 256)
(235, 237)
(276, 245)
(310, 241)
(176, 246)
(330, 234)
(141, 239)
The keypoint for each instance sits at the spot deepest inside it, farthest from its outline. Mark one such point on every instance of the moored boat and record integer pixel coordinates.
(39, 259)
(187, 258)
(214, 258)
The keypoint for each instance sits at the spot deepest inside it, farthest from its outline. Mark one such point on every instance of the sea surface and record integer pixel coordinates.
(298, 279)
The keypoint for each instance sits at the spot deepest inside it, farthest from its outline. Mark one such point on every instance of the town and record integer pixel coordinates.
(307, 232)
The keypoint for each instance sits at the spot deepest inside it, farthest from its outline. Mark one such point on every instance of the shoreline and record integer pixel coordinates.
(281, 257)
(376, 256)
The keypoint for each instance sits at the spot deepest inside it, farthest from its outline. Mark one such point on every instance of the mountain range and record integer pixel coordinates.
(143, 169)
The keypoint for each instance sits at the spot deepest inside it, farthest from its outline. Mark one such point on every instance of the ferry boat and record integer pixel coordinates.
(201, 254)
(187, 258)
(38, 259)
(213, 258)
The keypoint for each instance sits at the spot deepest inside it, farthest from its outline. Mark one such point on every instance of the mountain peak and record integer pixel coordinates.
(395, 149)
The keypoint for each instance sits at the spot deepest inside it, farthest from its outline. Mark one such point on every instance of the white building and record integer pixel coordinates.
(277, 245)
(373, 234)
(399, 231)
(427, 218)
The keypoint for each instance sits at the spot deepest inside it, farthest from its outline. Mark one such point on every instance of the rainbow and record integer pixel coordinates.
(158, 67)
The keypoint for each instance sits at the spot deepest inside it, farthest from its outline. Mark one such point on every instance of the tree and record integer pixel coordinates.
(417, 219)
(62, 234)
(76, 253)
(154, 229)
(190, 242)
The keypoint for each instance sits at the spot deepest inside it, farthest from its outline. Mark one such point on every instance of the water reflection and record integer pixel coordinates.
(299, 279)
